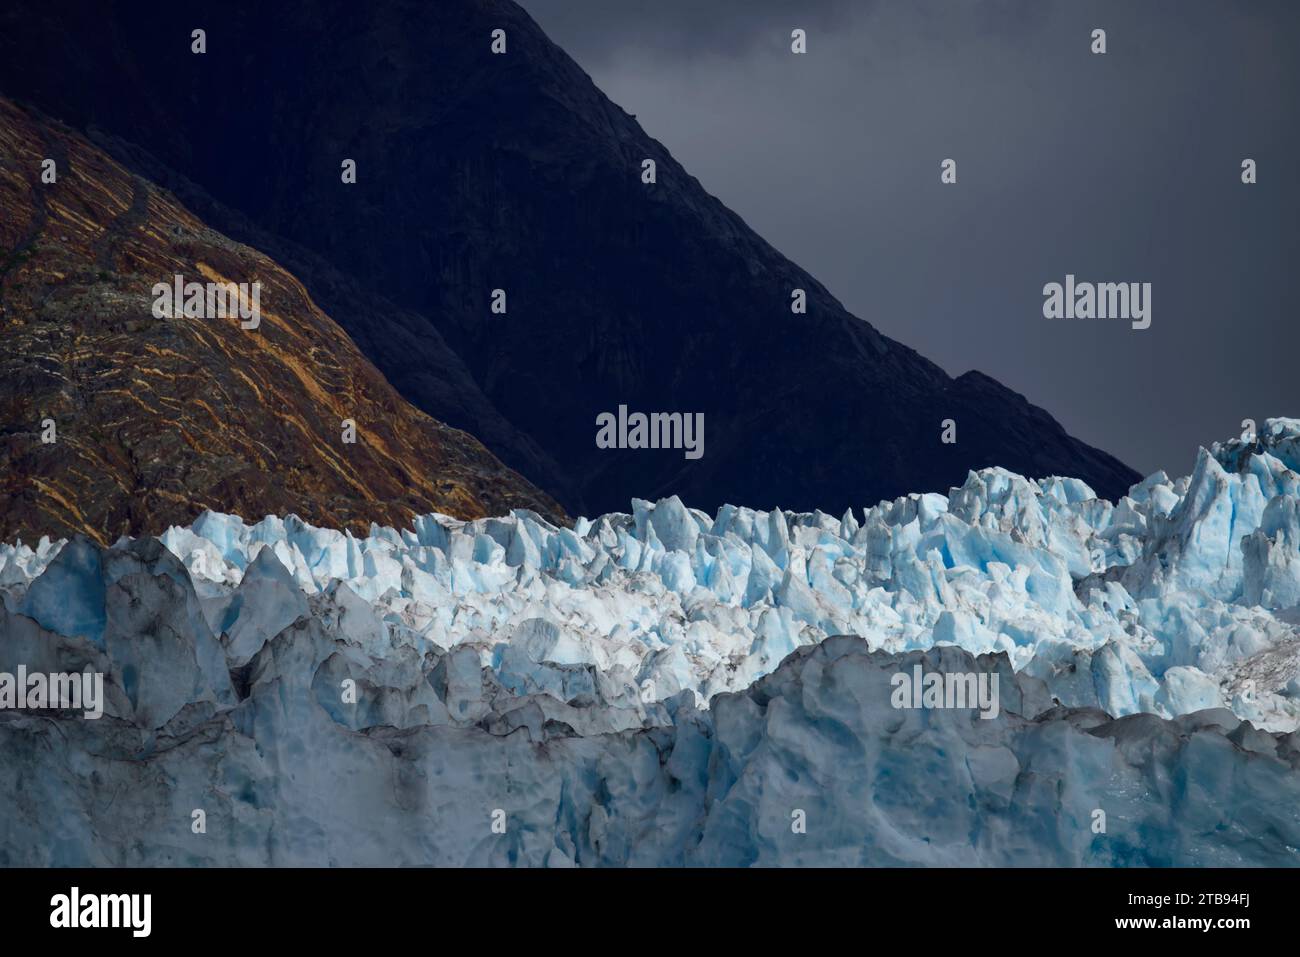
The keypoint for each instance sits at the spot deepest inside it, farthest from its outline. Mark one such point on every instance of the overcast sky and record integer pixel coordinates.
(1117, 168)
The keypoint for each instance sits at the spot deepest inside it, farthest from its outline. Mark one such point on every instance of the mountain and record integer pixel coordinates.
(477, 172)
(114, 421)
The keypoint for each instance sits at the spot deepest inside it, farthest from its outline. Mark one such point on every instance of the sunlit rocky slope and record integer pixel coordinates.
(114, 421)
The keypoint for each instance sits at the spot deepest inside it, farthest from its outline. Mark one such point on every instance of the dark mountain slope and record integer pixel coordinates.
(399, 340)
(478, 172)
(155, 419)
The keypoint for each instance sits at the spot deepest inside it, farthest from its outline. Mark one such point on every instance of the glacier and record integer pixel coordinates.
(666, 687)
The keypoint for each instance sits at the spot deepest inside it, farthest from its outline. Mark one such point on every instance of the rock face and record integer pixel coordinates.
(153, 420)
(479, 172)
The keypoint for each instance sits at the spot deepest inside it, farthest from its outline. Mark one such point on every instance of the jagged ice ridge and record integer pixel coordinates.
(1168, 602)
(618, 687)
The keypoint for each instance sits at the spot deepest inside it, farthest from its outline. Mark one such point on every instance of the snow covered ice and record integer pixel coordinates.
(669, 687)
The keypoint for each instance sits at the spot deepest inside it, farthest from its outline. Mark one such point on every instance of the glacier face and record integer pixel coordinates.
(614, 693)
(1182, 596)
(808, 766)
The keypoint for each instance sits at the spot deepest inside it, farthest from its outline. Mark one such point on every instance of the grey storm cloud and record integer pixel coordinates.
(1117, 168)
(594, 32)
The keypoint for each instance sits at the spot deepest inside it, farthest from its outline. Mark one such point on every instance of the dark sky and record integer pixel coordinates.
(1122, 167)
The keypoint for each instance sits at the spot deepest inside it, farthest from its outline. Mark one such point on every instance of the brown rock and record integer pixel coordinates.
(159, 419)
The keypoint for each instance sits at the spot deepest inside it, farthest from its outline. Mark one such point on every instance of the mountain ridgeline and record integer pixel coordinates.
(478, 171)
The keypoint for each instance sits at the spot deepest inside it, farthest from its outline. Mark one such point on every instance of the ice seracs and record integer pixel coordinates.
(1166, 601)
(668, 687)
